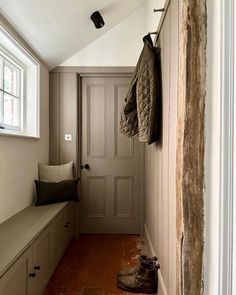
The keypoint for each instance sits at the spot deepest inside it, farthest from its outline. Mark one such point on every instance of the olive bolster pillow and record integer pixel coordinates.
(55, 192)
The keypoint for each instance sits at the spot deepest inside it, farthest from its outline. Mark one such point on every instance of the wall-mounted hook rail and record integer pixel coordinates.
(159, 10)
(153, 33)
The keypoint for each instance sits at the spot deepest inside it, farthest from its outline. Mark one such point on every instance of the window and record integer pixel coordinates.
(19, 88)
(11, 94)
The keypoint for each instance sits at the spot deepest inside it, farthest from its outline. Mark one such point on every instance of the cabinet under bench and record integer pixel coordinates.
(31, 244)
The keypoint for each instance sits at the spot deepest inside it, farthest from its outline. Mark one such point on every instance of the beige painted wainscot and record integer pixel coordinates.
(31, 244)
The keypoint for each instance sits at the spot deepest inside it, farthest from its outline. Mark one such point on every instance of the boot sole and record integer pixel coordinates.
(147, 291)
(125, 275)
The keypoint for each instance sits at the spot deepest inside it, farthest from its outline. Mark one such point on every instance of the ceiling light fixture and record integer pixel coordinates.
(97, 20)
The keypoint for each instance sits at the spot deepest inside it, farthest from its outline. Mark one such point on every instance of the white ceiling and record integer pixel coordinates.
(57, 29)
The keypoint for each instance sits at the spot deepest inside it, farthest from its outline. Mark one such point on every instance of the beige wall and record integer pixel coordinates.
(160, 159)
(19, 158)
(64, 119)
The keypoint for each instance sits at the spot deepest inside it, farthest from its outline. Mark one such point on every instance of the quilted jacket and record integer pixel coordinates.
(141, 115)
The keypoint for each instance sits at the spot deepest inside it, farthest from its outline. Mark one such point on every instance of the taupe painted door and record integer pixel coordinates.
(111, 188)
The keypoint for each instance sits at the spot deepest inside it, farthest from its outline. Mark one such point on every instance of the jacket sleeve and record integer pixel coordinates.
(148, 98)
(129, 120)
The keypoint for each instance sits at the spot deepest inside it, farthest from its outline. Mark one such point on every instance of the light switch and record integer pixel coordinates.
(68, 136)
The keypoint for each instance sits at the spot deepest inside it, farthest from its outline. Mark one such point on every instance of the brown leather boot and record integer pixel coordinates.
(128, 271)
(143, 281)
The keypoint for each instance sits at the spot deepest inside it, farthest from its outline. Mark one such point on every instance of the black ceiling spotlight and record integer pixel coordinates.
(97, 20)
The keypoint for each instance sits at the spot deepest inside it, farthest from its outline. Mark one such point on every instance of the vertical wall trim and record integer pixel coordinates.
(234, 152)
(142, 203)
(227, 151)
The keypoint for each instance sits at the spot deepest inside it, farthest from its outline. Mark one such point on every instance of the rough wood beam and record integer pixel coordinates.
(190, 150)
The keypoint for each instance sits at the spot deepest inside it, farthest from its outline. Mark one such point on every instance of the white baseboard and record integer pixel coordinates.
(150, 252)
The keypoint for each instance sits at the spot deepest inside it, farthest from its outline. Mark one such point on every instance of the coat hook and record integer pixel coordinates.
(159, 10)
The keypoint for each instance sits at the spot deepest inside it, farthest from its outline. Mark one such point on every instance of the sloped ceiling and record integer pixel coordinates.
(57, 29)
(120, 46)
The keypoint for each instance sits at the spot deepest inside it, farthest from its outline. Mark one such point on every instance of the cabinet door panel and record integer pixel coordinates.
(59, 236)
(70, 221)
(41, 261)
(16, 280)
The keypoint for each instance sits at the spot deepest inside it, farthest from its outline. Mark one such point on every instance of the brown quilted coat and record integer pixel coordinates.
(141, 115)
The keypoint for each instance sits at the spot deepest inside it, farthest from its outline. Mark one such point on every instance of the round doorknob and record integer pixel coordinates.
(32, 275)
(37, 267)
(86, 166)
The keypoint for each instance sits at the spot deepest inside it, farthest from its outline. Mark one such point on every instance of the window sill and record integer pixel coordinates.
(4, 132)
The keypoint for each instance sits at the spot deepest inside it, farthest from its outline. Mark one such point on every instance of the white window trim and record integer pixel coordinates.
(15, 41)
(36, 61)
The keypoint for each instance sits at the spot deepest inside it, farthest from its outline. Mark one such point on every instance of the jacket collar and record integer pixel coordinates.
(148, 40)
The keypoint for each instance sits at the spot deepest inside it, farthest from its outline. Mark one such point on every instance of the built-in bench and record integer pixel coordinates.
(31, 244)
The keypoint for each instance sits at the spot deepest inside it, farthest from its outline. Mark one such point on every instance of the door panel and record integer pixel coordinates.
(96, 196)
(96, 121)
(124, 196)
(111, 188)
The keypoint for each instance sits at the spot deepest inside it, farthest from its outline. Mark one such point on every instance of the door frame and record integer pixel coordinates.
(101, 72)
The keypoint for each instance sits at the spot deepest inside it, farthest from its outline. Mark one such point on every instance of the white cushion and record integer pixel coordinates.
(53, 173)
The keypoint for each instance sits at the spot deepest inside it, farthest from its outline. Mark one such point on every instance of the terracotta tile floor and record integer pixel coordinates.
(90, 265)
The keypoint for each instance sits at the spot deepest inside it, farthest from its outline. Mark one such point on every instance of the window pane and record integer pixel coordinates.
(10, 80)
(11, 110)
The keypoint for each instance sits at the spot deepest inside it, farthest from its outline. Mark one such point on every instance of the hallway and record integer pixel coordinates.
(90, 265)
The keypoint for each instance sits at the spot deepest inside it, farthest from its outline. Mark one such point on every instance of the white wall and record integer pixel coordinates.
(19, 158)
(160, 159)
(121, 46)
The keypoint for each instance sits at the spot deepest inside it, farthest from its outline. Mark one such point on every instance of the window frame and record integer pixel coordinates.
(15, 64)
(20, 52)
